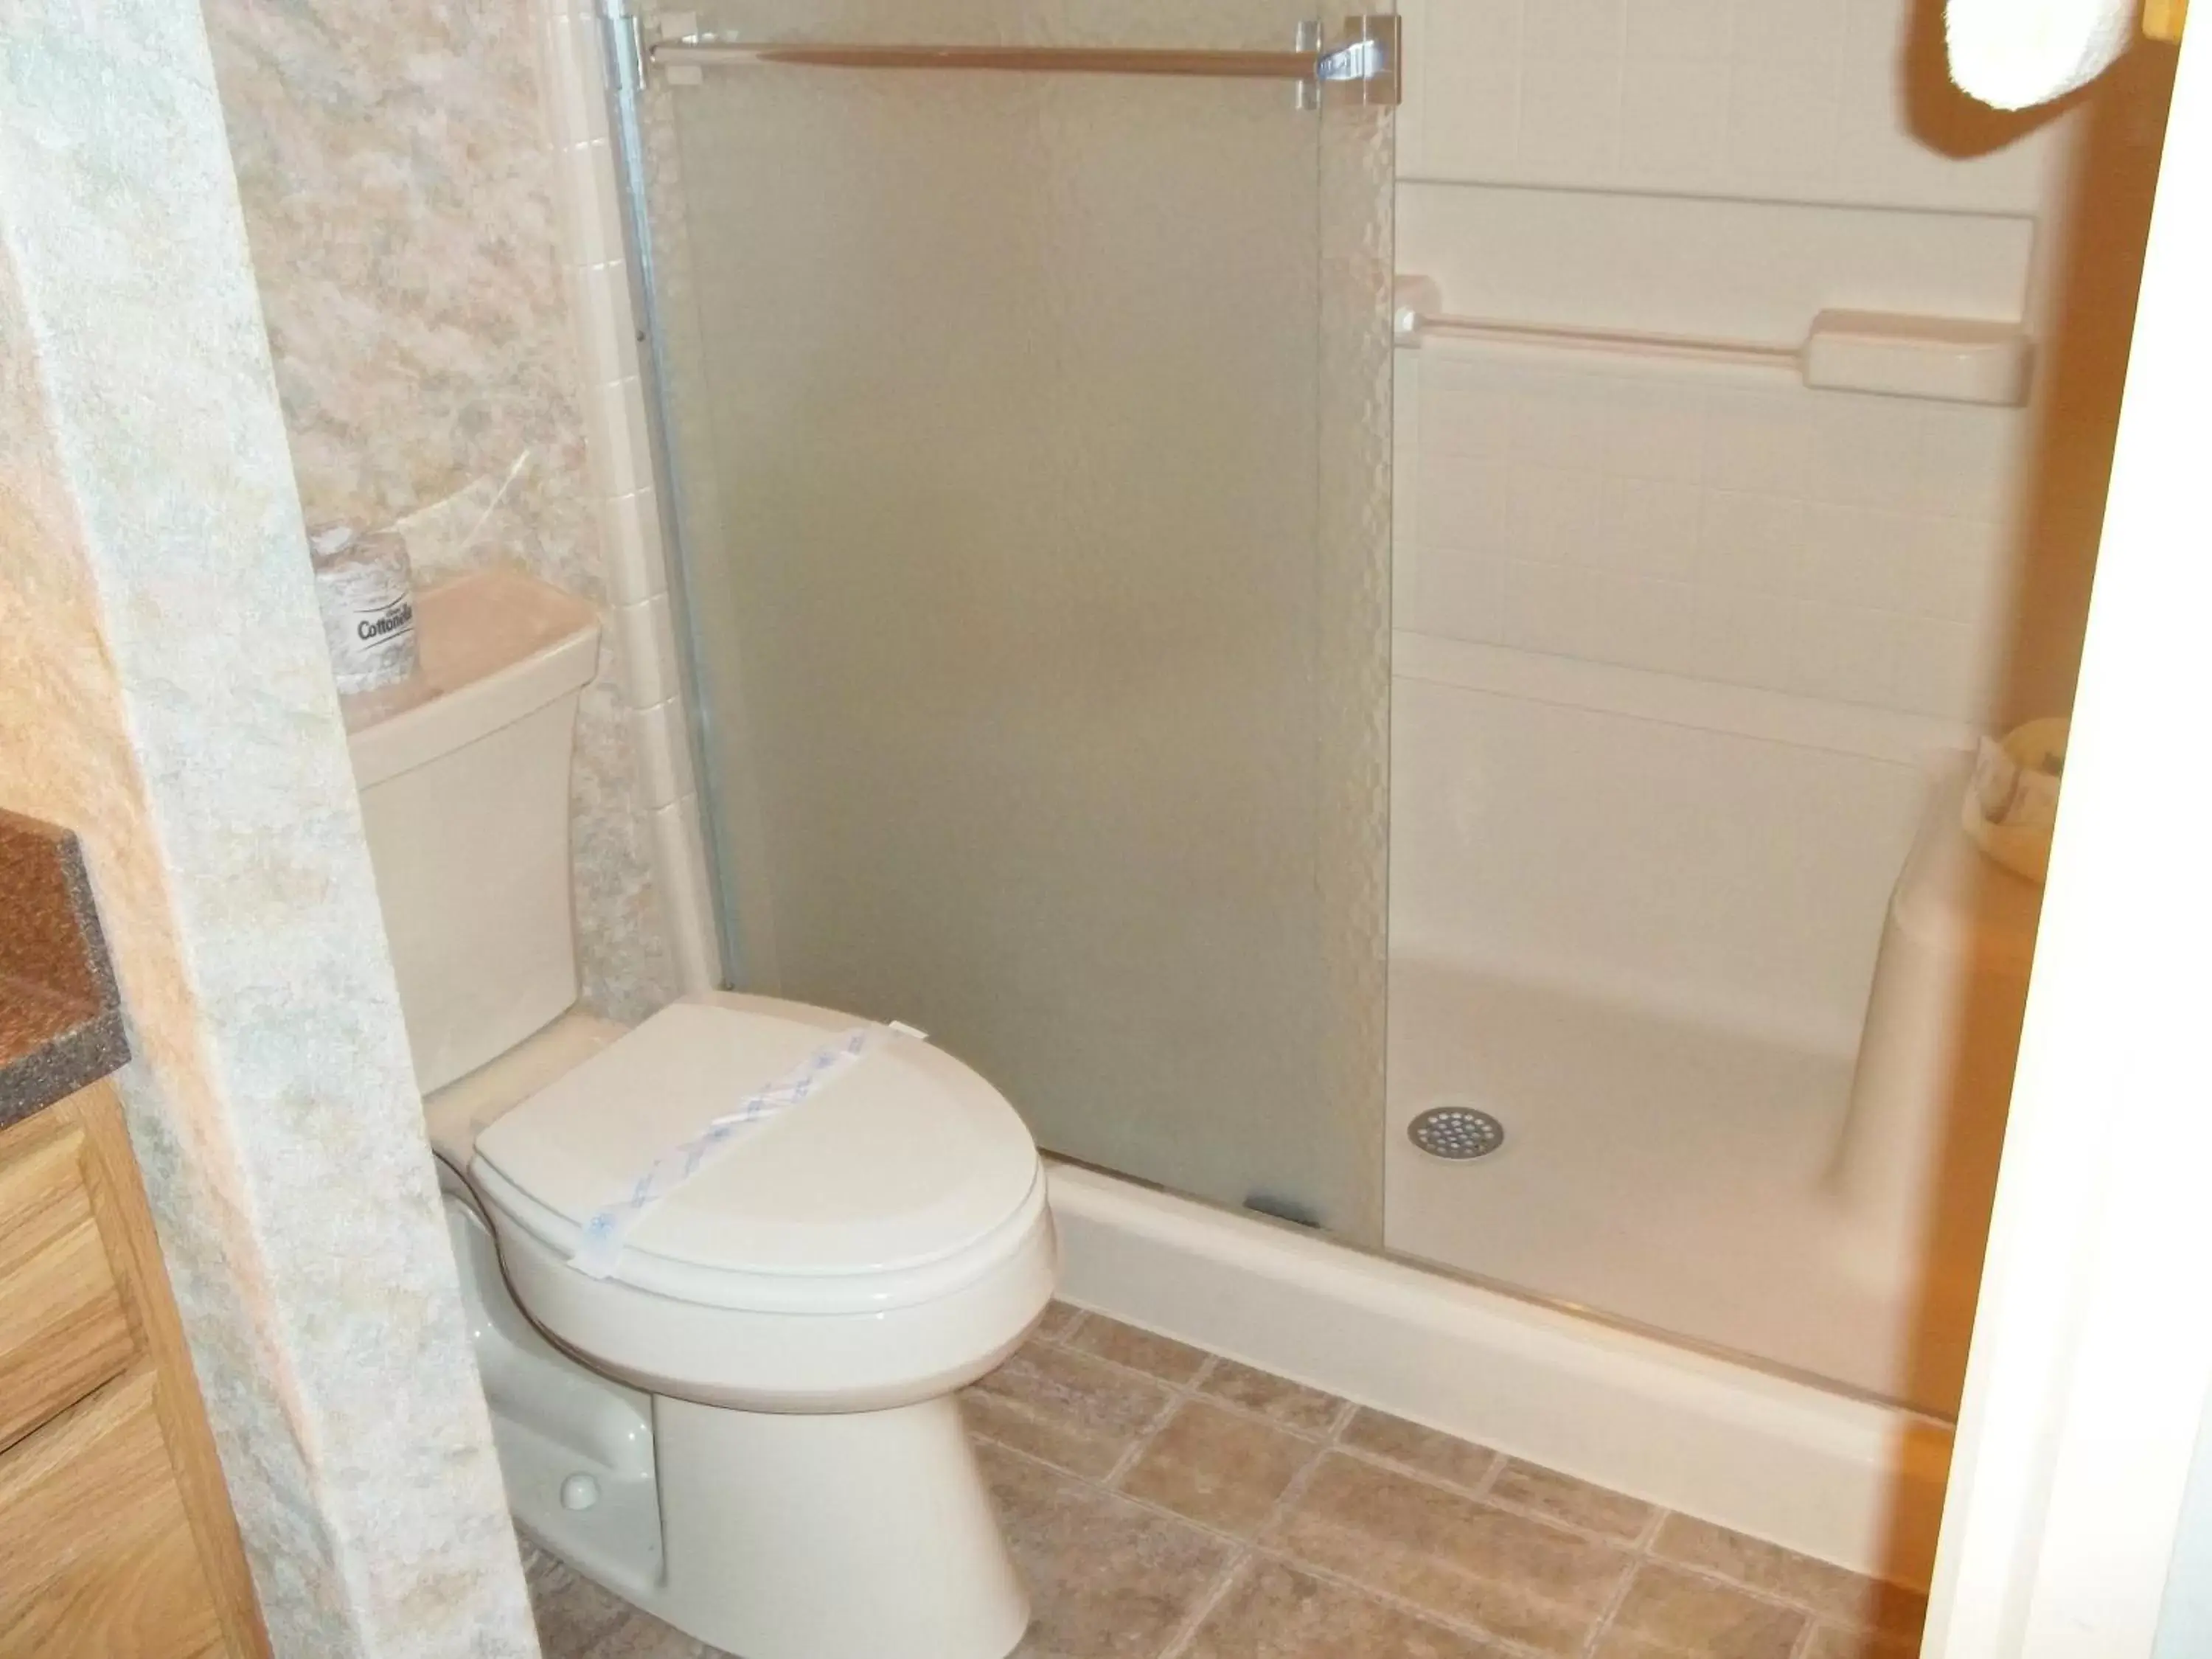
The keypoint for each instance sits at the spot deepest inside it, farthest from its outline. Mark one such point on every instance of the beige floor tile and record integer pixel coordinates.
(1669, 1614)
(1108, 1579)
(1216, 1466)
(1512, 1577)
(1292, 1404)
(1460, 1461)
(1835, 1642)
(1058, 1320)
(639, 1635)
(1562, 1498)
(572, 1612)
(1843, 1597)
(1275, 1611)
(1065, 1407)
(1124, 1345)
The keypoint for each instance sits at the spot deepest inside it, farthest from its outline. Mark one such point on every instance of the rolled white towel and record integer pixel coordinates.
(2011, 53)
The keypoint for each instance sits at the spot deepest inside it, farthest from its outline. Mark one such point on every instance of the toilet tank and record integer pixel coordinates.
(464, 789)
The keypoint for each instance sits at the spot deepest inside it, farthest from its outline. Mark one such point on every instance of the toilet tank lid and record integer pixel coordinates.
(496, 646)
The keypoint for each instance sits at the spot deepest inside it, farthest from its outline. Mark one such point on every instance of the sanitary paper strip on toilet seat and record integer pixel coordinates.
(604, 1233)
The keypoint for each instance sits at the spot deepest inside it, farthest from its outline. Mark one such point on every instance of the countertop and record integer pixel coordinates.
(61, 1016)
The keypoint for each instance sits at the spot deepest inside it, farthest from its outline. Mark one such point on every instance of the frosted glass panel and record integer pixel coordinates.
(1031, 434)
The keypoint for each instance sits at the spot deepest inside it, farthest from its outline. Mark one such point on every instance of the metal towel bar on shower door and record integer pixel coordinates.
(1364, 58)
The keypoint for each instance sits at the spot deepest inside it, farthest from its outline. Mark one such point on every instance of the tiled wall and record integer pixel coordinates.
(1726, 167)
(1815, 101)
(1725, 523)
(626, 496)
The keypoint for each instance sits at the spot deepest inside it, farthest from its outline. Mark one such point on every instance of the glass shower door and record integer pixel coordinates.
(1029, 431)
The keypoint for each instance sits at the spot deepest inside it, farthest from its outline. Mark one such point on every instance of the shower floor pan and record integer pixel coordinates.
(1657, 1172)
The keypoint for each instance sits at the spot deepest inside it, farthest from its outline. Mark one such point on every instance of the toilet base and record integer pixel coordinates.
(849, 1536)
(852, 1536)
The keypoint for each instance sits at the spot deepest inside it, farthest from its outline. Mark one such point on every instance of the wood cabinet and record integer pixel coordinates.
(116, 1540)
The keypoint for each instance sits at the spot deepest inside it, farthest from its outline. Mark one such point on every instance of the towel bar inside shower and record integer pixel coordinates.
(1363, 57)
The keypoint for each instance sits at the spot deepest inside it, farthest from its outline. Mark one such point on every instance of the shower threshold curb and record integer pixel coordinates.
(1844, 1480)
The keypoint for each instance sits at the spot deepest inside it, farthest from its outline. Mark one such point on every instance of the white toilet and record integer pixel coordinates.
(747, 1426)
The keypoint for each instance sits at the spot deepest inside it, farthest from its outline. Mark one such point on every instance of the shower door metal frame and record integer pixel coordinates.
(1357, 70)
(1364, 58)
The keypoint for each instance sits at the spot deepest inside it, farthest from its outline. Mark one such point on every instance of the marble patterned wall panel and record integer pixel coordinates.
(163, 691)
(398, 182)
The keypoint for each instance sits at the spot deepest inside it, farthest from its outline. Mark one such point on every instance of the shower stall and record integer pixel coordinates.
(1027, 383)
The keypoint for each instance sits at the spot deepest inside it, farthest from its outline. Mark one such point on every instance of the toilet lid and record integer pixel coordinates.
(904, 1158)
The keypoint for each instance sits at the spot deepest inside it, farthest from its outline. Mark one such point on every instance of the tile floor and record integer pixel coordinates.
(1167, 1503)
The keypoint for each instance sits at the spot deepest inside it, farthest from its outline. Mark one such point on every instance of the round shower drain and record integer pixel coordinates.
(1455, 1133)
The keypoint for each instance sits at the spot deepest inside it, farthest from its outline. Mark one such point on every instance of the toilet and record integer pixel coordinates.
(742, 1419)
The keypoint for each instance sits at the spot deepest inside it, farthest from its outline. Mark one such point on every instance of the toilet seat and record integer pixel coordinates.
(905, 1178)
(883, 1243)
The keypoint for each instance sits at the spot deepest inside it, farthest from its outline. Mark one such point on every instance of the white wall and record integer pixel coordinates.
(1726, 168)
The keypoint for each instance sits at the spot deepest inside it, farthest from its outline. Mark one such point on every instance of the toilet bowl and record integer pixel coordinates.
(742, 1419)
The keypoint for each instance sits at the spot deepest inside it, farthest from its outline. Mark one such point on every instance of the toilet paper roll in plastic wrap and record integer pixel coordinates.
(366, 594)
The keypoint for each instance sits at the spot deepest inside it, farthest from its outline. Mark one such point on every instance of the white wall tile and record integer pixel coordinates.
(1865, 452)
(1462, 598)
(1759, 441)
(1753, 543)
(1555, 516)
(1652, 429)
(1572, 28)
(1464, 505)
(1665, 519)
(1570, 119)
(1547, 607)
(656, 757)
(1776, 32)
(1647, 527)
(1644, 623)
(680, 863)
(1680, 31)
(1782, 128)
(1969, 460)
(1812, 94)
(1844, 651)
(630, 526)
(1473, 134)
(646, 635)
(1413, 41)
(1674, 126)
(1745, 637)
(664, 752)
(1942, 669)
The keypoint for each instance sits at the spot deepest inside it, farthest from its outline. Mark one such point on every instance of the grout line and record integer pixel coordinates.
(1649, 1535)
(1487, 1486)
(1637, 1549)
(1342, 1580)
(1203, 1609)
(1603, 1622)
(1293, 1490)
(1332, 1439)
(1259, 1549)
